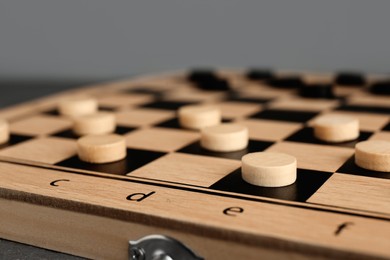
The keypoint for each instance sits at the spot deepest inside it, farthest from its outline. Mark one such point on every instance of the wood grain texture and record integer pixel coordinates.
(351, 191)
(314, 157)
(40, 125)
(269, 130)
(142, 117)
(168, 140)
(195, 211)
(45, 150)
(93, 214)
(192, 169)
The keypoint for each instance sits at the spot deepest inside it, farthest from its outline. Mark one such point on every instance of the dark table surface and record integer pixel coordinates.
(13, 91)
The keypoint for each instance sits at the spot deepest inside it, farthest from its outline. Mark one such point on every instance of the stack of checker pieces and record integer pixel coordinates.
(274, 107)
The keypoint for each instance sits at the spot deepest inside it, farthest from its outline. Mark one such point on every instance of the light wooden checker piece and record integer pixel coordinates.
(267, 169)
(373, 155)
(101, 148)
(199, 116)
(96, 123)
(176, 195)
(78, 106)
(4, 131)
(336, 128)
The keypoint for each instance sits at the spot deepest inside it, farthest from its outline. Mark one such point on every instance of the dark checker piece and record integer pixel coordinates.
(286, 82)
(198, 75)
(350, 79)
(259, 74)
(307, 183)
(317, 91)
(207, 80)
(381, 88)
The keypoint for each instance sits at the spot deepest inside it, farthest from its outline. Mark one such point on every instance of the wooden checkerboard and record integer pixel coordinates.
(168, 184)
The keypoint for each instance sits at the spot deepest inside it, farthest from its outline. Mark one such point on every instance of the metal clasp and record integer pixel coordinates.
(158, 247)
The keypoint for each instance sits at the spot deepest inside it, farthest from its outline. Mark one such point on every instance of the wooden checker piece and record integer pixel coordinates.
(267, 169)
(373, 155)
(367, 121)
(199, 116)
(78, 106)
(153, 176)
(336, 128)
(94, 124)
(4, 131)
(224, 137)
(101, 148)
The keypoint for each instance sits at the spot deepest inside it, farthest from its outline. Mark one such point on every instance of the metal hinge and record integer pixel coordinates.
(158, 247)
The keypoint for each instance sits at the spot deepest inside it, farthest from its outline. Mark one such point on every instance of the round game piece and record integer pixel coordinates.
(4, 131)
(199, 116)
(98, 123)
(207, 79)
(287, 82)
(269, 169)
(224, 138)
(336, 128)
(373, 155)
(381, 87)
(317, 91)
(350, 79)
(78, 106)
(201, 75)
(101, 148)
(259, 74)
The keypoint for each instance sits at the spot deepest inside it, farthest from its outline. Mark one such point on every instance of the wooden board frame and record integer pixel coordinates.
(233, 226)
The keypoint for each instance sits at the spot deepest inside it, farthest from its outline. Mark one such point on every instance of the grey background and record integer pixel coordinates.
(105, 39)
(46, 45)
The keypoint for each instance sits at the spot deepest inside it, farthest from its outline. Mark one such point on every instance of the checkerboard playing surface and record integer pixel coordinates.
(160, 153)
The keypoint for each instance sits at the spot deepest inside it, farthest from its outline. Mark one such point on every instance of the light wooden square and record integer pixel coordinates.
(269, 130)
(313, 156)
(304, 104)
(370, 100)
(355, 192)
(40, 125)
(142, 117)
(384, 135)
(367, 121)
(123, 99)
(49, 150)
(258, 90)
(188, 169)
(233, 110)
(160, 139)
(188, 94)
